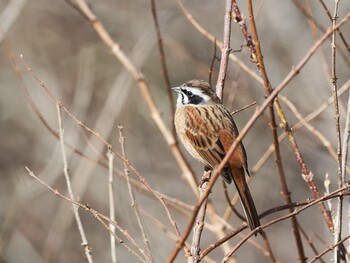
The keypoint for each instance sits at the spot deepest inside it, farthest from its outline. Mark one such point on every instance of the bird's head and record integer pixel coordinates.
(195, 92)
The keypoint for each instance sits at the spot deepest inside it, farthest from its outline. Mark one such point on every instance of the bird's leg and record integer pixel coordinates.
(206, 175)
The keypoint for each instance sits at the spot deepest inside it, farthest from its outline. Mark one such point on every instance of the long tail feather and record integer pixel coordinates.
(246, 199)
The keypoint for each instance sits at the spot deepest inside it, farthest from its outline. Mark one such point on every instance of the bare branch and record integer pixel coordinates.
(110, 156)
(144, 89)
(96, 214)
(226, 50)
(339, 211)
(85, 243)
(248, 126)
(133, 204)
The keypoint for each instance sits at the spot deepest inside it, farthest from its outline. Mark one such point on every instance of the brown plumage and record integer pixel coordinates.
(207, 130)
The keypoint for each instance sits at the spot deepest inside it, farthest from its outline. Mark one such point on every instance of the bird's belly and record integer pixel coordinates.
(181, 132)
(192, 150)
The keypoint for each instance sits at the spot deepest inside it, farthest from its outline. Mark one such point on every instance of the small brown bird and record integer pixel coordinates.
(207, 130)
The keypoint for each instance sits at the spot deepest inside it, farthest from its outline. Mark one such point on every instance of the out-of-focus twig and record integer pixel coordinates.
(205, 33)
(116, 49)
(330, 248)
(247, 127)
(85, 243)
(295, 212)
(307, 13)
(108, 145)
(268, 89)
(110, 156)
(164, 65)
(268, 247)
(134, 204)
(97, 215)
(304, 121)
(175, 203)
(335, 194)
(228, 200)
(306, 173)
(311, 244)
(226, 50)
(9, 15)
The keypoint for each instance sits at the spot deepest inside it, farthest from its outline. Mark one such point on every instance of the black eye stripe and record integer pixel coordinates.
(188, 97)
(195, 99)
(187, 92)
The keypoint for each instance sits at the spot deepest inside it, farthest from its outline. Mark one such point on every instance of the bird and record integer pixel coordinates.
(207, 130)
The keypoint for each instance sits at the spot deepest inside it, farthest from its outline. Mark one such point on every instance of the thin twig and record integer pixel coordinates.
(199, 225)
(35, 109)
(240, 20)
(97, 215)
(134, 204)
(335, 194)
(198, 228)
(212, 63)
(307, 10)
(119, 240)
(268, 247)
(228, 200)
(307, 13)
(294, 213)
(156, 194)
(211, 38)
(243, 108)
(303, 121)
(339, 210)
(345, 150)
(144, 89)
(218, 225)
(110, 156)
(164, 65)
(175, 203)
(268, 89)
(225, 51)
(311, 244)
(330, 248)
(85, 243)
(227, 226)
(347, 46)
(247, 127)
(307, 175)
(166, 231)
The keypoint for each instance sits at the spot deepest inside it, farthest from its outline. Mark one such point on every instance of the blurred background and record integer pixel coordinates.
(68, 56)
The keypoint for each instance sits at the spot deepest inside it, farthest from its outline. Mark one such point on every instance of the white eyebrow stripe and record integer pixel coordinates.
(199, 93)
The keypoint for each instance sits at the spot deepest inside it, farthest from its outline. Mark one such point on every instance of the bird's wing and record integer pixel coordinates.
(202, 126)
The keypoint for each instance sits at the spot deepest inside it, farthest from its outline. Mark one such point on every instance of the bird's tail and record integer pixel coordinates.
(246, 199)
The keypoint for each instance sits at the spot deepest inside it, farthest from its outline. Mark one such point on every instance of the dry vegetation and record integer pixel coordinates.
(90, 167)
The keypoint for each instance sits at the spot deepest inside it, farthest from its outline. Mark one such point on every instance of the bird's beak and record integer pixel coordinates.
(176, 89)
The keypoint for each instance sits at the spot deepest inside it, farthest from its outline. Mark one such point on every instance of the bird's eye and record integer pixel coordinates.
(189, 93)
